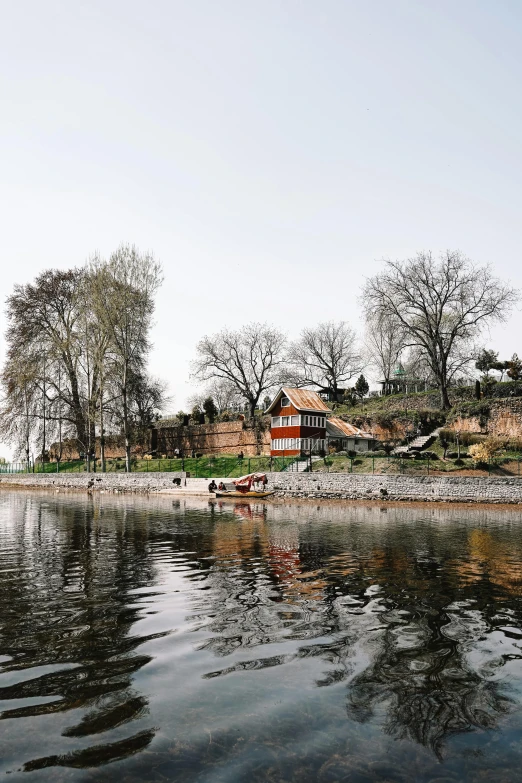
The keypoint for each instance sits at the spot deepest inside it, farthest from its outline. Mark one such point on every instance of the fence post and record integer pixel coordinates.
(373, 465)
(351, 465)
(428, 466)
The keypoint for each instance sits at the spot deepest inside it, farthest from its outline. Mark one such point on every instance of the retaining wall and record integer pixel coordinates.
(109, 482)
(226, 437)
(299, 485)
(423, 488)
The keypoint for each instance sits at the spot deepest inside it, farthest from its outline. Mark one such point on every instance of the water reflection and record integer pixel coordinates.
(260, 642)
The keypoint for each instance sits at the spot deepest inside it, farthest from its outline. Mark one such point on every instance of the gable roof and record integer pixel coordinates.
(301, 399)
(337, 428)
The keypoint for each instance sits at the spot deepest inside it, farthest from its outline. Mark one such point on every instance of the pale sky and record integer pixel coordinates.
(268, 153)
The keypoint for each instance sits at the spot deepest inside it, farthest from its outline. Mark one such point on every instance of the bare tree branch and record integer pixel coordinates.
(251, 360)
(442, 305)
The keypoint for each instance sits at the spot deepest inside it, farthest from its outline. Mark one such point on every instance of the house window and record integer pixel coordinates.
(295, 421)
(285, 420)
(285, 402)
(276, 421)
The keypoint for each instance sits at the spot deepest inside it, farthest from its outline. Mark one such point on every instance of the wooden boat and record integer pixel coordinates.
(250, 494)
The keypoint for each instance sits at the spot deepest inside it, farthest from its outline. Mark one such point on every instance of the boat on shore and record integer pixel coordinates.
(244, 487)
(250, 494)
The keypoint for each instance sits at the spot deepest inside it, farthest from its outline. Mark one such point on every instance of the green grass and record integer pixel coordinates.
(507, 464)
(222, 466)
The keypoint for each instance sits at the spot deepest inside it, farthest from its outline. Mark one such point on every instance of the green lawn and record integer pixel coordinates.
(509, 464)
(222, 466)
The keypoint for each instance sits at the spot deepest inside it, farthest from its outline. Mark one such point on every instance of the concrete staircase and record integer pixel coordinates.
(300, 466)
(420, 443)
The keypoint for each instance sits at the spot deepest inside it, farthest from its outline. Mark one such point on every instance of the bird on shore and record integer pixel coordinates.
(90, 484)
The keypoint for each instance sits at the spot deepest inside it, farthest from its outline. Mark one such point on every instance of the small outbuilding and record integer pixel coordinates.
(346, 437)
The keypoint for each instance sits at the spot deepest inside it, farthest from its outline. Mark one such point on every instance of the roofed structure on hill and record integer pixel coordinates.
(347, 437)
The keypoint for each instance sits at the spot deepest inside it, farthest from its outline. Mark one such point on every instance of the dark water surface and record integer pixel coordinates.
(146, 640)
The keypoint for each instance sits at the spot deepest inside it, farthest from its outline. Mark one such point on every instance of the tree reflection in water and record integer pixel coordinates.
(415, 615)
(430, 612)
(67, 605)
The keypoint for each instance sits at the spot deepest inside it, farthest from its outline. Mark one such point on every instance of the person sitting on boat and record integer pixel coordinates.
(221, 487)
(212, 486)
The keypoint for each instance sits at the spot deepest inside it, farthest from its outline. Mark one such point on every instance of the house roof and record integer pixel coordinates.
(301, 399)
(337, 428)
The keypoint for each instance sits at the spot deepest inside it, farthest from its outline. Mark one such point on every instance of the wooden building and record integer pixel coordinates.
(302, 423)
(343, 436)
(298, 422)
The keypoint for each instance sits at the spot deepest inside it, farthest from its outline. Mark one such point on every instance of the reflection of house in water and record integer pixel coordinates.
(287, 568)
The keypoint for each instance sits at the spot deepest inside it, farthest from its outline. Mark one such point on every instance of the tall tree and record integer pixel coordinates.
(251, 360)
(43, 322)
(384, 342)
(326, 356)
(124, 288)
(441, 304)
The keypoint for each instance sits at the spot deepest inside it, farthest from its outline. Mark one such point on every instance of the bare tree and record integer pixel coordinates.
(123, 303)
(326, 357)
(441, 304)
(383, 344)
(251, 360)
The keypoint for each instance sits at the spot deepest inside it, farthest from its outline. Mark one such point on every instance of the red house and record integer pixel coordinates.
(298, 422)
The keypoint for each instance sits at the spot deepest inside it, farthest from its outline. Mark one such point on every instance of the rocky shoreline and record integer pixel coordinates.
(316, 486)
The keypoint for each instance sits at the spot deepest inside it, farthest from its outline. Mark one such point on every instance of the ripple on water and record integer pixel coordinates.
(292, 642)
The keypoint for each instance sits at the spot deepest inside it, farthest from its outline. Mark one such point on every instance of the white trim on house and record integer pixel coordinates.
(298, 421)
(298, 444)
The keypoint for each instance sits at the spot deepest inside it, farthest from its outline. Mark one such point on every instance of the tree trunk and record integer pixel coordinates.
(102, 434)
(444, 398)
(126, 431)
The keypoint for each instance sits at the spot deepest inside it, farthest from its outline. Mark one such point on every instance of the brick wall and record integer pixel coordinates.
(226, 437)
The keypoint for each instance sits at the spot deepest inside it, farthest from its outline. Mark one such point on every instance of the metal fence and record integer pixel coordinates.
(197, 467)
(505, 465)
(232, 467)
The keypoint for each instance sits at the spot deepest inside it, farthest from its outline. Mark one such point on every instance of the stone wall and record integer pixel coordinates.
(226, 437)
(108, 482)
(425, 488)
(298, 485)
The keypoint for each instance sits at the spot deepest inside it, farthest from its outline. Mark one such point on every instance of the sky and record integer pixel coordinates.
(270, 154)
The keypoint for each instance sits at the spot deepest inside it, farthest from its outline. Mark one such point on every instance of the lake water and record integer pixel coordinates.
(150, 640)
